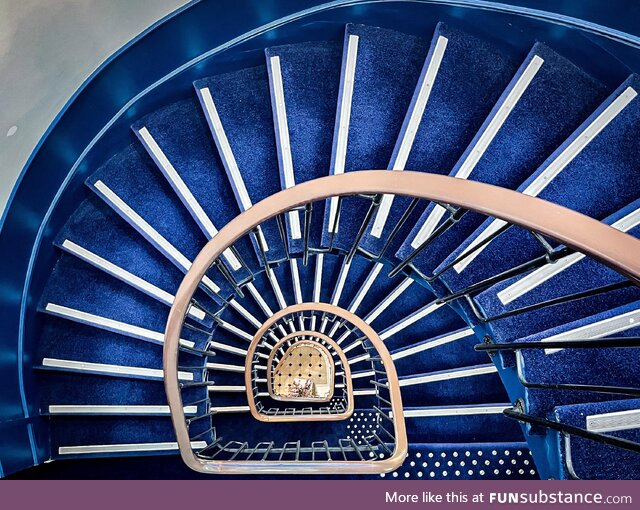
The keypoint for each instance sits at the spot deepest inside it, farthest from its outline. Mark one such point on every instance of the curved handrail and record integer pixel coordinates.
(254, 344)
(602, 242)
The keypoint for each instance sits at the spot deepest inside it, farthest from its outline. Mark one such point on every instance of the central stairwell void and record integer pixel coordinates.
(307, 252)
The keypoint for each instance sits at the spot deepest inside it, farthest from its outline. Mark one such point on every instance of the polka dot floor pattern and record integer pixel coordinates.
(463, 462)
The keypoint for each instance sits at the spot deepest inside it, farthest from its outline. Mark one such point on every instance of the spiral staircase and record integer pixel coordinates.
(470, 312)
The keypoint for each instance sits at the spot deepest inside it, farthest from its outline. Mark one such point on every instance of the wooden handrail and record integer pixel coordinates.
(591, 237)
(323, 350)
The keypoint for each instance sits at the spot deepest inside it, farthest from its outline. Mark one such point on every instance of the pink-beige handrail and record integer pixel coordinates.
(591, 237)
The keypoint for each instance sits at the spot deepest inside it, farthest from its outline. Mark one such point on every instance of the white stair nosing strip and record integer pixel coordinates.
(483, 142)
(428, 226)
(125, 276)
(282, 138)
(344, 119)
(259, 299)
(231, 389)
(226, 154)
(362, 292)
(121, 328)
(235, 330)
(434, 343)
(408, 321)
(276, 289)
(360, 375)
(244, 312)
(408, 138)
(183, 191)
(147, 231)
(613, 422)
(351, 347)
(491, 229)
(357, 359)
(503, 112)
(125, 448)
(362, 393)
(434, 412)
(417, 111)
(317, 282)
(600, 329)
(230, 409)
(295, 276)
(103, 368)
(273, 336)
(224, 367)
(388, 300)
(342, 278)
(580, 142)
(227, 348)
(548, 271)
(561, 162)
(446, 376)
(323, 324)
(335, 328)
(116, 409)
(343, 337)
(215, 124)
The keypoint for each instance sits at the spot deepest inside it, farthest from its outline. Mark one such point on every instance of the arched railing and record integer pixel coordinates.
(576, 232)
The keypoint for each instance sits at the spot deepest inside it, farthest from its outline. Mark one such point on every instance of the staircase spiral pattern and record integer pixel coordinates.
(430, 279)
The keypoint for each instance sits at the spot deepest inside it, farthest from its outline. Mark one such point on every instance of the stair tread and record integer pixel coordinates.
(578, 186)
(559, 97)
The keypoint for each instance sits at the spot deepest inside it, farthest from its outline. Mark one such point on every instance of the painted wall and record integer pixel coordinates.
(47, 49)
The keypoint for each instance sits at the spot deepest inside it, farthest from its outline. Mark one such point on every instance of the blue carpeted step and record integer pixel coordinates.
(373, 290)
(465, 424)
(346, 281)
(415, 315)
(592, 460)
(178, 140)
(380, 69)
(226, 374)
(82, 389)
(332, 265)
(467, 461)
(77, 286)
(462, 386)
(304, 81)
(97, 236)
(544, 103)
(68, 340)
(227, 395)
(237, 107)
(461, 79)
(444, 352)
(96, 228)
(72, 430)
(608, 141)
(614, 367)
(131, 185)
(570, 275)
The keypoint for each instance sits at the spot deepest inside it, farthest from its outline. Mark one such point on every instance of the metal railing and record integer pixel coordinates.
(544, 221)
